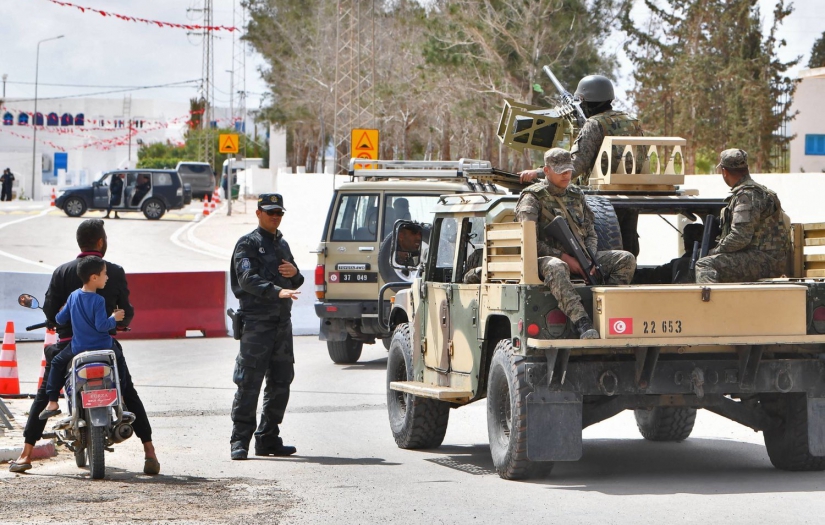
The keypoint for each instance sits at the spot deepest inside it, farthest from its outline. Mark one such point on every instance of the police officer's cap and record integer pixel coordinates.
(270, 201)
(595, 88)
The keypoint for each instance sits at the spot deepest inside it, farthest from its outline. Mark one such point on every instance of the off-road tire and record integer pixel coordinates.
(787, 444)
(74, 207)
(665, 423)
(607, 226)
(416, 422)
(345, 352)
(154, 209)
(96, 449)
(507, 391)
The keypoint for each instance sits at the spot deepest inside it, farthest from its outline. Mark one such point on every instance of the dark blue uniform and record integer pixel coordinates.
(266, 343)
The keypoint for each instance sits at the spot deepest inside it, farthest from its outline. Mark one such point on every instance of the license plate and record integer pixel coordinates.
(353, 277)
(99, 398)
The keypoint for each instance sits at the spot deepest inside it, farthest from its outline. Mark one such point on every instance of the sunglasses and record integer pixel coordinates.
(279, 213)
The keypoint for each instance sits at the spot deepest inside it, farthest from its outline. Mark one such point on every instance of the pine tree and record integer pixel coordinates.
(818, 53)
(705, 72)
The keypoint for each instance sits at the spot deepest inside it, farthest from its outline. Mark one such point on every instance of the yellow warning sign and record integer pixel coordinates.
(228, 143)
(365, 146)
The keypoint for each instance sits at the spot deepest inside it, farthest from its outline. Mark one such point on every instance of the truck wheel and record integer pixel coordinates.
(607, 224)
(787, 444)
(345, 352)
(74, 206)
(507, 391)
(416, 422)
(665, 423)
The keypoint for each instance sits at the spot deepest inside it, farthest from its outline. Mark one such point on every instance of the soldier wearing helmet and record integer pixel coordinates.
(596, 95)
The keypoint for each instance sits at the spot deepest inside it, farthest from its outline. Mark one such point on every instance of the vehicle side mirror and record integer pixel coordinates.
(406, 247)
(28, 301)
(95, 184)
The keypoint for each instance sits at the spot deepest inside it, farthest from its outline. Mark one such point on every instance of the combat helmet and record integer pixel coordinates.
(595, 88)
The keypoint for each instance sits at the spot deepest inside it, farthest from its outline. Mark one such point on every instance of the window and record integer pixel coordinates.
(38, 121)
(814, 144)
(163, 179)
(447, 243)
(79, 120)
(417, 208)
(22, 119)
(52, 119)
(8, 119)
(66, 120)
(356, 219)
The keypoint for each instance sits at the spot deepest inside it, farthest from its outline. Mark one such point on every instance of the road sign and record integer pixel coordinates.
(365, 146)
(228, 143)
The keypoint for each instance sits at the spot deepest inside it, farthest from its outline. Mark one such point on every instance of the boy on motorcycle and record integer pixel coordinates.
(86, 311)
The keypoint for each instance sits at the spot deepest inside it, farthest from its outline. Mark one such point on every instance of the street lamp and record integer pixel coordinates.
(34, 119)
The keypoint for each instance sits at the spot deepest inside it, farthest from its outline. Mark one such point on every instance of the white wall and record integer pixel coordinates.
(810, 119)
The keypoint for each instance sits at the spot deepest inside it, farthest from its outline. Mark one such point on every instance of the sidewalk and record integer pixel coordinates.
(11, 441)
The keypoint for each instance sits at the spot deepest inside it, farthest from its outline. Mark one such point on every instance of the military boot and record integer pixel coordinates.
(585, 328)
(239, 450)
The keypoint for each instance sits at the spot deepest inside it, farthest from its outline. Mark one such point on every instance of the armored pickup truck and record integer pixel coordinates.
(751, 352)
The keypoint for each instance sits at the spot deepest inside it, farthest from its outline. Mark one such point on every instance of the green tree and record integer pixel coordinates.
(166, 155)
(818, 53)
(705, 71)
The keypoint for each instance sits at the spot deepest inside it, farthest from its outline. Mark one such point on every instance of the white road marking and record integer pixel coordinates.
(200, 247)
(21, 259)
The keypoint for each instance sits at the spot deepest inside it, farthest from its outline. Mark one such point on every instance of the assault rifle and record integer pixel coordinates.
(570, 106)
(573, 245)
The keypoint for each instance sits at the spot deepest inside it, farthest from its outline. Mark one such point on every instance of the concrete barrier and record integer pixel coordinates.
(168, 304)
(12, 284)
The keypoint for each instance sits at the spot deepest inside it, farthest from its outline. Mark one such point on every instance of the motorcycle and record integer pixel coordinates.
(96, 419)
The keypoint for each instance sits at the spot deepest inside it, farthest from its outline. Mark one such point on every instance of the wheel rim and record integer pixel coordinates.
(153, 209)
(400, 398)
(502, 411)
(74, 207)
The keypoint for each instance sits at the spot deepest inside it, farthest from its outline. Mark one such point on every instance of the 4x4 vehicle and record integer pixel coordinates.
(199, 175)
(751, 352)
(353, 256)
(153, 192)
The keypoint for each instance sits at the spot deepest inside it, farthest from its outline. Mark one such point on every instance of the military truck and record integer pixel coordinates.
(353, 255)
(751, 352)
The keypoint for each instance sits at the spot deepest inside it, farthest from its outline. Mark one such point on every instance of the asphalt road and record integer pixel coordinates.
(348, 468)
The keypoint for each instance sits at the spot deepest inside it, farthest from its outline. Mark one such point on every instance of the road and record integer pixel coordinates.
(348, 468)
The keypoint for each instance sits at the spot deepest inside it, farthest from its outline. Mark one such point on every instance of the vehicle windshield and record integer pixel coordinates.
(195, 169)
(417, 208)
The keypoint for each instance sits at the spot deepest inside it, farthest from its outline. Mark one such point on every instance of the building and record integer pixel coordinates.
(808, 144)
(79, 139)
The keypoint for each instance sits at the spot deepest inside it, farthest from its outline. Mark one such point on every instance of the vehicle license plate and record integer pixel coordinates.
(99, 398)
(353, 277)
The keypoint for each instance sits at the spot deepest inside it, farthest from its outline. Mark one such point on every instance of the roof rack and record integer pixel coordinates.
(405, 169)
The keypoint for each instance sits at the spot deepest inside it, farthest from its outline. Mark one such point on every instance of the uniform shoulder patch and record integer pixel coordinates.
(245, 264)
(261, 250)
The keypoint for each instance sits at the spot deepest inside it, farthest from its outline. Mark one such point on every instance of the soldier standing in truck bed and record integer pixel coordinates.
(264, 278)
(597, 94)
(754, 242)
(556, 197)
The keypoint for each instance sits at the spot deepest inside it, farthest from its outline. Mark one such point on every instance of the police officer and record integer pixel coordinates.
(557, 197)
(596, 94)
(754, 242)
(264, 278)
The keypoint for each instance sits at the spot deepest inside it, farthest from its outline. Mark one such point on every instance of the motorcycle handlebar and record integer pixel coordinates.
(44, 324)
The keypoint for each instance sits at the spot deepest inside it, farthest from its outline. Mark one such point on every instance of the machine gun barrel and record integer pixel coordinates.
(573, 245)
(709, 234)
(566, 97)
(694, 255)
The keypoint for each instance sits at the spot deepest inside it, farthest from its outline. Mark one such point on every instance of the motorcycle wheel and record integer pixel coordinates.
(80, 450)
(97, 444)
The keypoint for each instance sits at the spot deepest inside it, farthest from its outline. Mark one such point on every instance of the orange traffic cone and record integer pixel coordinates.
(205, 206)
(54, 197)
(212, 206)
(216, 196)
(51, 338)
(9, 382)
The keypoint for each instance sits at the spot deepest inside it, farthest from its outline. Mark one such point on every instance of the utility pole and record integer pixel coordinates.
(354, 75)
(206, 149)
(5, 76)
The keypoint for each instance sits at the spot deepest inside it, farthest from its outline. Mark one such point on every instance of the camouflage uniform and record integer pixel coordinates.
(754, 242)
(538, 205)
(266, 343)
(585, 149)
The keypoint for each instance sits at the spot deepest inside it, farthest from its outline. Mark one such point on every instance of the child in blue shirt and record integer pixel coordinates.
(86, 310)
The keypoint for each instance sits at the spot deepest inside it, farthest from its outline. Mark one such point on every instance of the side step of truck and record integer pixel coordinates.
(444, 393)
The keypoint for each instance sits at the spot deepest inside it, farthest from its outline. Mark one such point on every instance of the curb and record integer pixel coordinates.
(44, 449)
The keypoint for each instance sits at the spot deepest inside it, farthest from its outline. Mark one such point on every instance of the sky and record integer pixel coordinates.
(107, 51)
